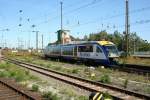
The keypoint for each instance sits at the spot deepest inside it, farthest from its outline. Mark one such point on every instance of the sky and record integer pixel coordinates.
(81, 17)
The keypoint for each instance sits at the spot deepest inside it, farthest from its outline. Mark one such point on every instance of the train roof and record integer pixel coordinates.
(105, 43)
(86, 42)
(99, 42)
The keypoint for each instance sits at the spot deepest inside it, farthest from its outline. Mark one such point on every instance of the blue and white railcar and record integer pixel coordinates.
(102, 52)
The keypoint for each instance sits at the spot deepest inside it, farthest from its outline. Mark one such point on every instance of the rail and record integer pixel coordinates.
(10, 90)
(115, 92)
(133, 68)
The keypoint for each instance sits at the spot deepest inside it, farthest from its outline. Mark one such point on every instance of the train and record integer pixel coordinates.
(99, 52)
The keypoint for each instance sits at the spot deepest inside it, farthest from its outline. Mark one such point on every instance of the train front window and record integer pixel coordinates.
(111, 49)
(98, 50)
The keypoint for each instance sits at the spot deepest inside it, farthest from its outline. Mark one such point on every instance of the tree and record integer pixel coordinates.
(85, 38)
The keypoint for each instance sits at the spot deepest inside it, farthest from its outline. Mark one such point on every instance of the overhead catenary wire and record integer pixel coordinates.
(132, 24)
(92, 21)
(79, 23)
(55, 10)
(114, 16)
(71, 11)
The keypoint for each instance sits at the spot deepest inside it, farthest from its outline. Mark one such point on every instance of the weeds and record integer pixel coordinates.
(107, 96)
(11, 71)
(82, 98)
(105, 79)
(50, 96)
(27, 72)
(35, 87)
(75, 71)
(87, 71)
(93, 76)
(125, 83)
(48, 66)
(57, 68)
(147, 90)
(3, 74)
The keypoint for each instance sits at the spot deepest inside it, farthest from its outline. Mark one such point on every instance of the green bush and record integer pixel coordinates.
(12, 73)
(35, 87)
(75, 71)
(105, 79)
(50, 96)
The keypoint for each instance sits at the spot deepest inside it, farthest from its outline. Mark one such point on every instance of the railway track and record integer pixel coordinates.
(115, 92)
(129, 68)
(132, 68)
(9, 90)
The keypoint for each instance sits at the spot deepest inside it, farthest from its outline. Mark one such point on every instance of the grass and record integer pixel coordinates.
(35, 87)
(11, 71)
(105, 79)
(107, 96)
(50, 96)
(147, 90)
(135, 60)
(75, 71)
(125, 83)
(83, 98)
(68, 91)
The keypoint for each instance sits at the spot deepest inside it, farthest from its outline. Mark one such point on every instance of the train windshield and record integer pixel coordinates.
(111, 49)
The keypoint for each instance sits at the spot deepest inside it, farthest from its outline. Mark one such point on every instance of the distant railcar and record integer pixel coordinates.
(102, 52)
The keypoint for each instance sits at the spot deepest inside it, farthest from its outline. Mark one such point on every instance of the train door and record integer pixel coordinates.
(0, 53)
(75, 51)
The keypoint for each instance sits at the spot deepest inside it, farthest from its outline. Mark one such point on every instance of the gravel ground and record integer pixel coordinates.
(63, 90)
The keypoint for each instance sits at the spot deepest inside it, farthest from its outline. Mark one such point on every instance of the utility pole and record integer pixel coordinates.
(2, 37)
(29, 42)
(127, 27)
(37, 40)
(61, 3)
(42, 41)
(2, 41)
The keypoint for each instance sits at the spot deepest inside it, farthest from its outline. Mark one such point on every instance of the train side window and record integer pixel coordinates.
(68, 50)
(98, 49)
(89, 48)
(81, 48)
(86, 48)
